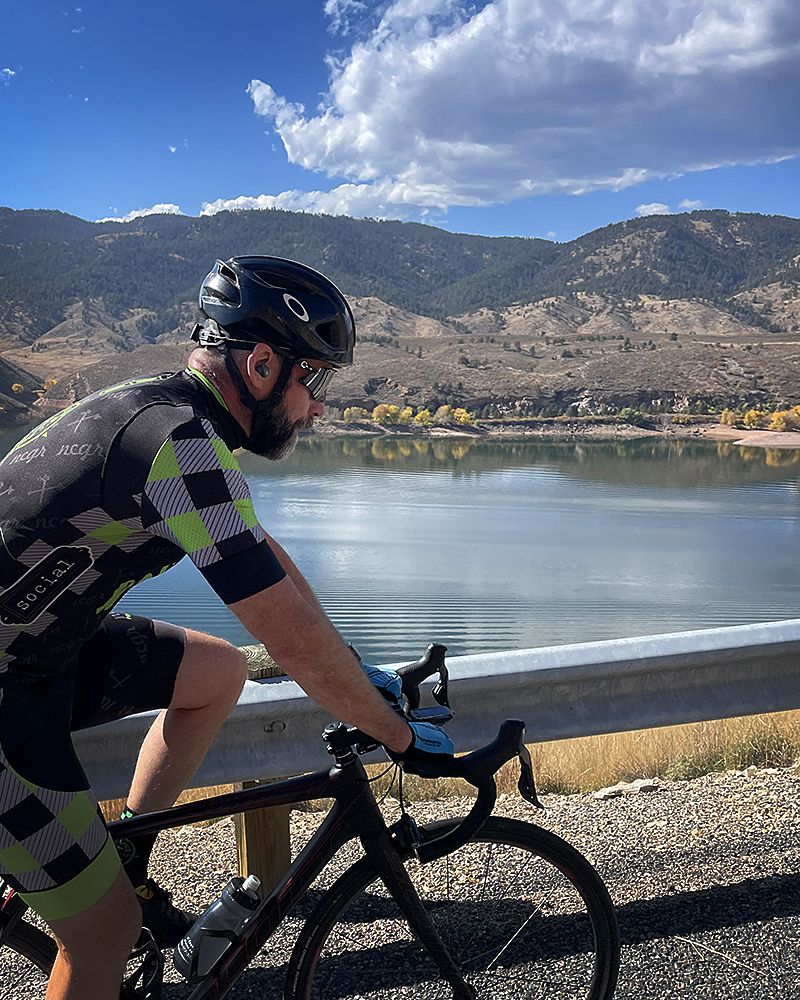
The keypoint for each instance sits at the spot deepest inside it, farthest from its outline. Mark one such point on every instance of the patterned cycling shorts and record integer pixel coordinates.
(54, 846)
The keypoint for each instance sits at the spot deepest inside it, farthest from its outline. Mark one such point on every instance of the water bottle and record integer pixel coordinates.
(217, 929)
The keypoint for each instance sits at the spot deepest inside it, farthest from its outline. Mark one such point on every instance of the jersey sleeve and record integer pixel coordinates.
(196, 496)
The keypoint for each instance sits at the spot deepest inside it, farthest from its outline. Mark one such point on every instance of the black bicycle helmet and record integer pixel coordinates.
(293, 308)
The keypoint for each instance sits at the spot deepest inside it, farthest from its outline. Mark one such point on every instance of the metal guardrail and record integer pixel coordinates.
(560, 691)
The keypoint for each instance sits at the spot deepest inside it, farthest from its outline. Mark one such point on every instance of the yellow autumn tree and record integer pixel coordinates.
(385, 414)
(754, 418)
(779, 421)
(424, 418)
(355, 413)
(443, 415)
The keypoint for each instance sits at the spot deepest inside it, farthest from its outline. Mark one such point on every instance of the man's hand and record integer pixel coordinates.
(388, 682)
(429, 754)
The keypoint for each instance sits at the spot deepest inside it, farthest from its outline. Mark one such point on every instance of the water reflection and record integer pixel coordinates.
(488, 545)
(660, 461)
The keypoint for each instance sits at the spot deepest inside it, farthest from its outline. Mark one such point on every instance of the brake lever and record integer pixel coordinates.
(526, 784)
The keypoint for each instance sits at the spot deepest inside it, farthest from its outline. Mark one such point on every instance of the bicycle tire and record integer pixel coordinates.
(523, 913)
(27, 975)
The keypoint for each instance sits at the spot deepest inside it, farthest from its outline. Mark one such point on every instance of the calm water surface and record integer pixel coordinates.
(491, 546)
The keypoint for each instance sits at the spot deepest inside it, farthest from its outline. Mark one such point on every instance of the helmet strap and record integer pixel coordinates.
(211, 335)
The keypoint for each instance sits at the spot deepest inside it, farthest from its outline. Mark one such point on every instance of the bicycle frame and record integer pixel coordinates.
(355, 813)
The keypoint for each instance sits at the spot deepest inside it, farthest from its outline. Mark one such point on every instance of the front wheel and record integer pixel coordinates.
(524, 915)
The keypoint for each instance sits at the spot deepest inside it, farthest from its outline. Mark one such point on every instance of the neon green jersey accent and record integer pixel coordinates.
(165, 465)
(80, 892)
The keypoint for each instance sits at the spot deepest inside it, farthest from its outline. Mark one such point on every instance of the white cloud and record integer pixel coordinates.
(688, 205)
(172, 149)
(78, 31)
(141, 212)
(654, 208)
(448, 102)
(343, 12)
(6, 74)
(551, 235)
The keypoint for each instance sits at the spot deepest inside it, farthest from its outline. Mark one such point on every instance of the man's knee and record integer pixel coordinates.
(212, 671)
(110, 927)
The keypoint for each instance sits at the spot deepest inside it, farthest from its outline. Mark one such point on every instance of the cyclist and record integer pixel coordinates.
(113, 490)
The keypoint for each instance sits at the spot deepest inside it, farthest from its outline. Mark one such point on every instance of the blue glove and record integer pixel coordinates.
(430, 753)
(387, 682)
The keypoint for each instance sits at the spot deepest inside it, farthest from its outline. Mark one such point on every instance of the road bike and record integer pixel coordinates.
(477, 906)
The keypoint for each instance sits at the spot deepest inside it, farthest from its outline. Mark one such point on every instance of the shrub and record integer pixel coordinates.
(354, 413)
(405, 416)
(680, 418)
(461, 416)
(628, 415)
(443, 415)
(727, 417)
(17, 387)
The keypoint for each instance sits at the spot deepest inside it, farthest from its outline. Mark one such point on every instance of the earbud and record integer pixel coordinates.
(262, 369)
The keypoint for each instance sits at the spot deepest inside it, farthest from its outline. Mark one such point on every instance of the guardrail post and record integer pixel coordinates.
(262, 842)
(262, 835)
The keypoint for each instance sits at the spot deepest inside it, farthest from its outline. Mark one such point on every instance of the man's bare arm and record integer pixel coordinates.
(303, 640)
(297, 577)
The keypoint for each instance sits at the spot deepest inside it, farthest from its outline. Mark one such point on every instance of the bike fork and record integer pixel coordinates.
(394, 876)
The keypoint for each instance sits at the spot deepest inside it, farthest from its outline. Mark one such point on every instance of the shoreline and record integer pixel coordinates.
(561, 430)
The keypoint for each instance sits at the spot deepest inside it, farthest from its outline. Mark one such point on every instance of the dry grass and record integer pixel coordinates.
(673, 752)
(582, 765)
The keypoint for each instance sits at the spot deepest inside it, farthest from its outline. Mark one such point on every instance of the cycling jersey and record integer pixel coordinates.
(112, 491)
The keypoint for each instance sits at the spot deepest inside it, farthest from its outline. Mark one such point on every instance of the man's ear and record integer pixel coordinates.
(259, 363)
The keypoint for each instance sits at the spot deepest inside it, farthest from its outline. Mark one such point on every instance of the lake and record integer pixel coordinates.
(490, 545)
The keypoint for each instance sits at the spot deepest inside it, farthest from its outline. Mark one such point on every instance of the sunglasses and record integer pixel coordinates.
(317, 379)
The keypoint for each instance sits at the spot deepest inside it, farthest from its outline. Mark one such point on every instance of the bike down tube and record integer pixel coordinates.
(381, 851)
(346, 820)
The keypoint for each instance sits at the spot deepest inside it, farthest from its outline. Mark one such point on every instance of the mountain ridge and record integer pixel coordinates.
(443, 317)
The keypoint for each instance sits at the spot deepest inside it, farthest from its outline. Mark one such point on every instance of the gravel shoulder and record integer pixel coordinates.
(705, 875)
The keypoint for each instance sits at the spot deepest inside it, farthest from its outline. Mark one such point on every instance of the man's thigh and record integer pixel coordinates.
(54, 846)
(128, 666)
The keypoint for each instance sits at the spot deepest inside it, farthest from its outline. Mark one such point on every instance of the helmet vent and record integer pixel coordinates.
(227, 272)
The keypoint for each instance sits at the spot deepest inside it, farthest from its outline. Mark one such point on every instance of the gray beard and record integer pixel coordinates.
(273, 435)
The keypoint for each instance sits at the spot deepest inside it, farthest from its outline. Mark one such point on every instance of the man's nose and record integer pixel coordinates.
(317, 408)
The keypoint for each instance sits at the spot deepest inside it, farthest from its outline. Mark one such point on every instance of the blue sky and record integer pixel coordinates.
(543, 118)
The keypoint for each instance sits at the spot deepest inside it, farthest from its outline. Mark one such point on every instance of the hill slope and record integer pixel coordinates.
(633, 311)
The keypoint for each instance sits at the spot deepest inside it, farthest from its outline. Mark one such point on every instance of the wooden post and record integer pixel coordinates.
(262, 842)
(262, 835)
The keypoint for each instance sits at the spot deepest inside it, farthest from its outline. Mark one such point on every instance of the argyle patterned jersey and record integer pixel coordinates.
(113, 490)
(197, 497)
